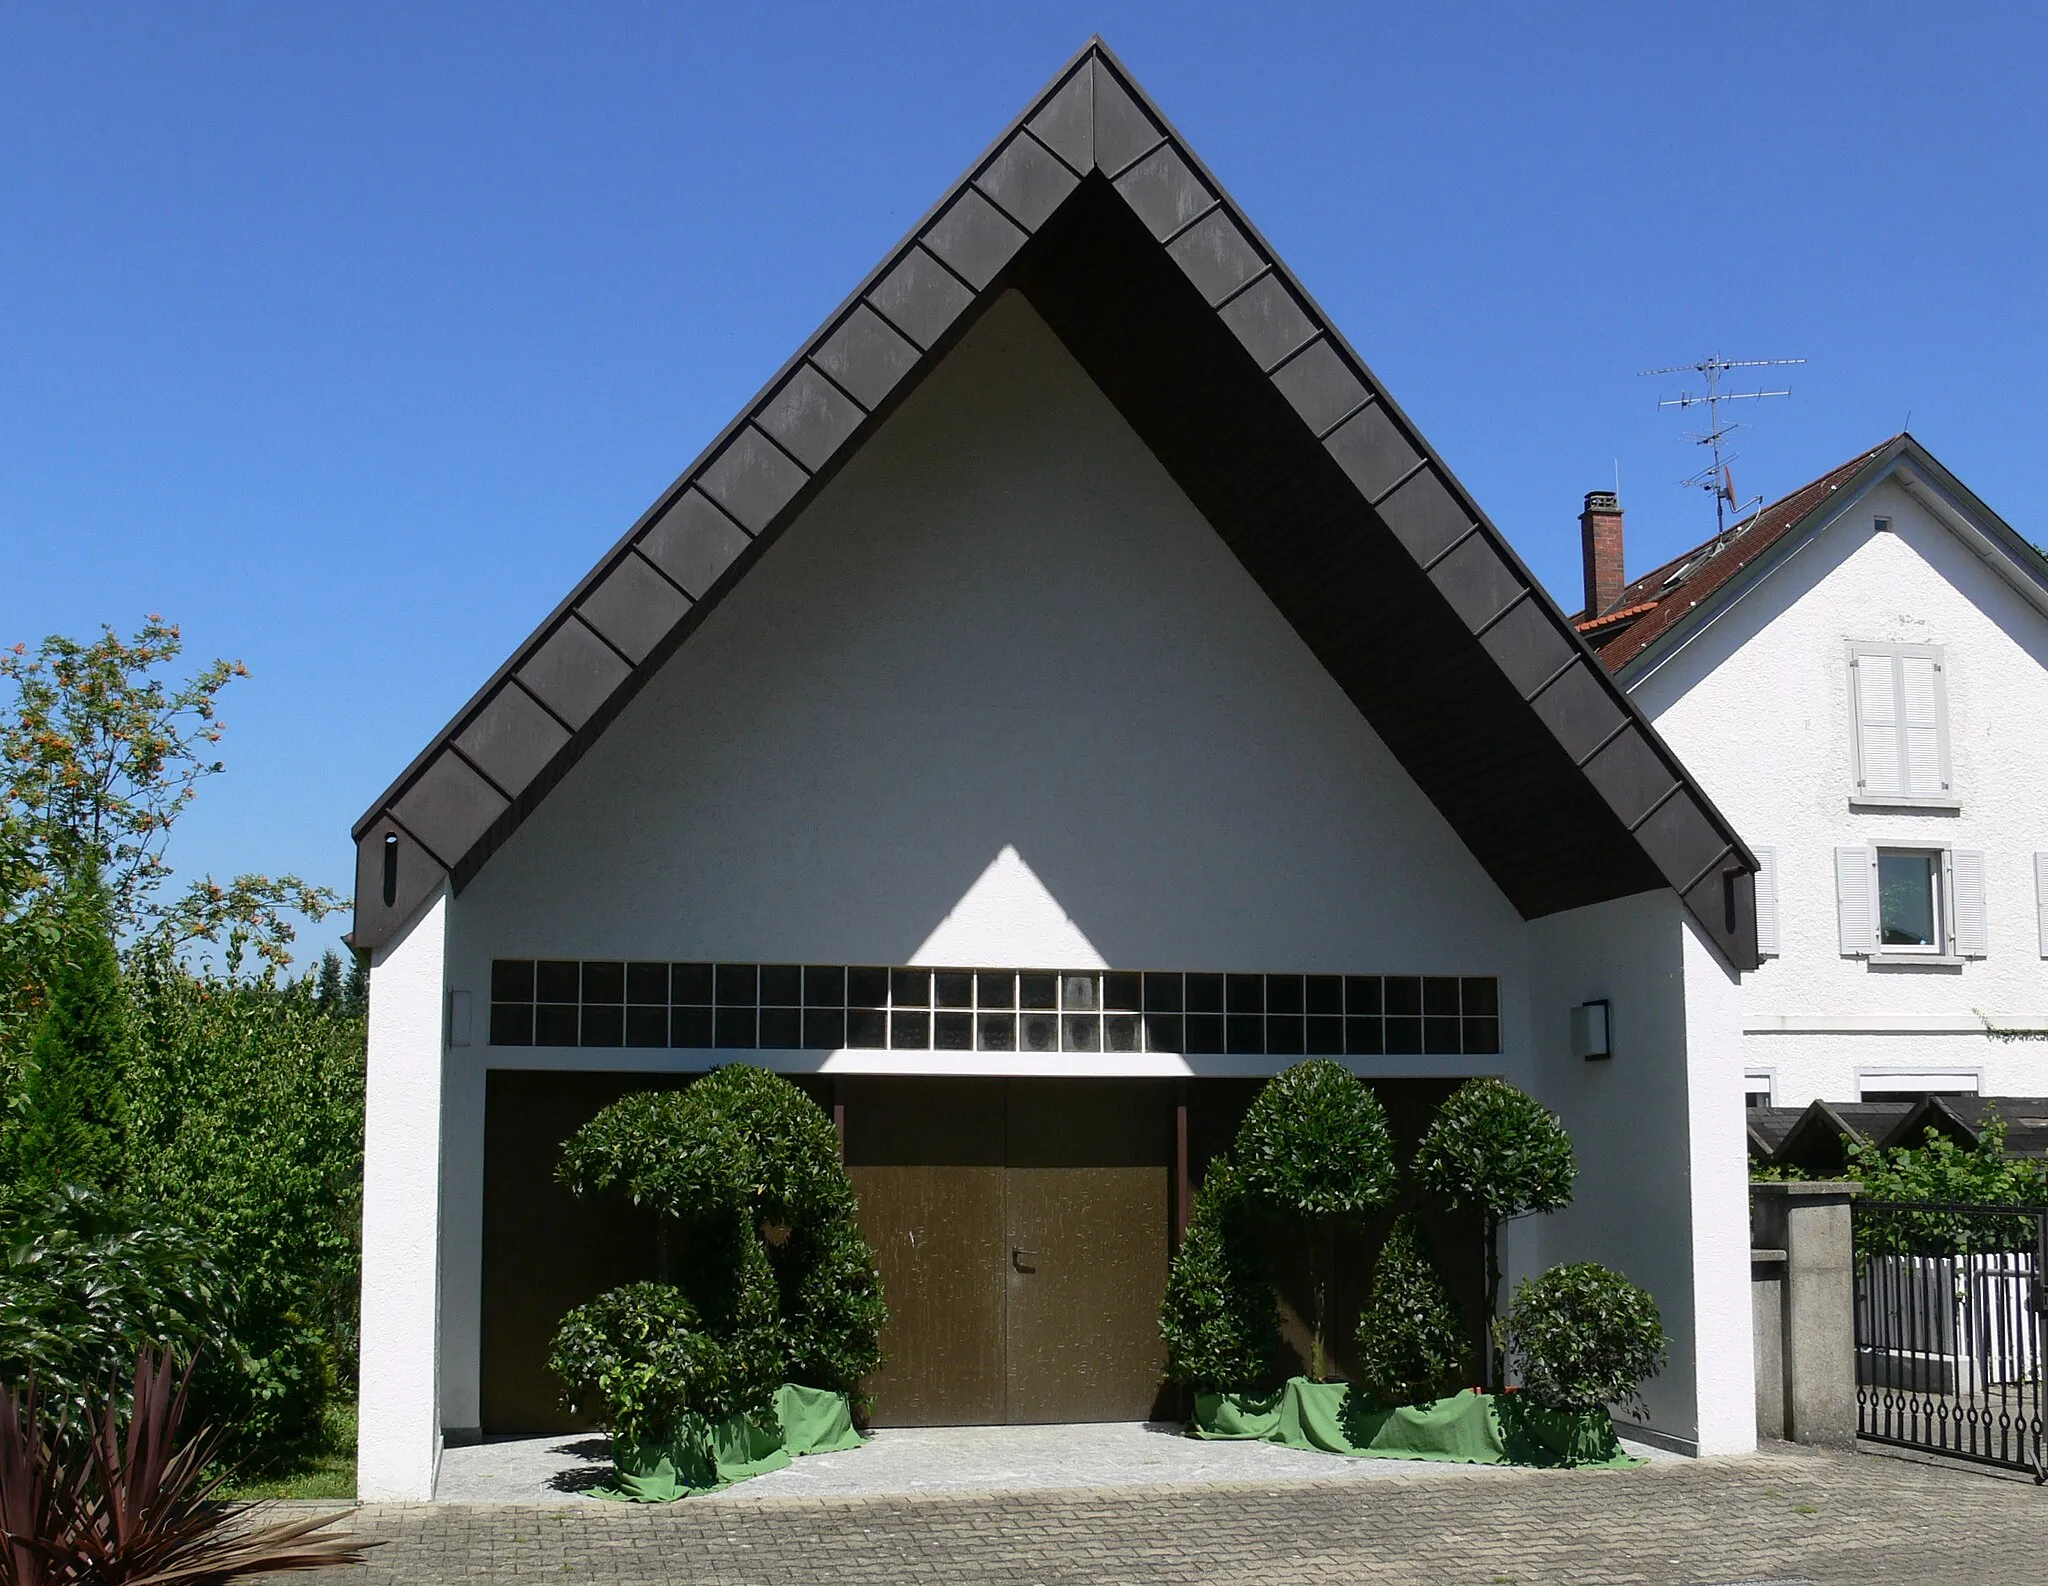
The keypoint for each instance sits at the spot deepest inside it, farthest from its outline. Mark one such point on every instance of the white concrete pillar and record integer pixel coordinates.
(1724, 1336)
(399, 1435)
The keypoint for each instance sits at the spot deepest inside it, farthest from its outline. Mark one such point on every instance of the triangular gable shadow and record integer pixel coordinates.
(1122, 240)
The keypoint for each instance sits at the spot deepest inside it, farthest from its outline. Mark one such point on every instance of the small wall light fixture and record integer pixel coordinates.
(1590, 1030)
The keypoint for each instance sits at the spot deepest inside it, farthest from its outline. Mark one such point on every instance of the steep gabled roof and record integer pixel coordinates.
(1094, 209)
(1669, 603)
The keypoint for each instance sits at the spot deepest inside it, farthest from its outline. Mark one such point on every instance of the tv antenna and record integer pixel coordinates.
(1716, 478)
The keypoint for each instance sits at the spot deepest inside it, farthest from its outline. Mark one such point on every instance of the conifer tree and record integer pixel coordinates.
(1411, 1349)
(68, 1126)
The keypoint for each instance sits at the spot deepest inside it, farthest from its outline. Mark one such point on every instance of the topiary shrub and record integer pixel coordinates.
(1499, 1151)
(760, 1264)
(1584, 1337)
(1218, 1315)
(1411, 1349)
(1315, 1146)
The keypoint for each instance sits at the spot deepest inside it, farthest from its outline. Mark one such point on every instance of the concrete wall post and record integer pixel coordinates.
(1809, 1222)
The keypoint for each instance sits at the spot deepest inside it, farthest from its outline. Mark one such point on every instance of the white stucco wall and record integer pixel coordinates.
(1662, 1194)
(398, 1443)
(1758, 708)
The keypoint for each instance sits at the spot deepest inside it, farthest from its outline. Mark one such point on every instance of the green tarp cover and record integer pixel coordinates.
(807, 1421)
(1467, 1428)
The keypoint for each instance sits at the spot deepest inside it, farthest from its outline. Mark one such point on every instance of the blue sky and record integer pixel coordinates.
(348, 336)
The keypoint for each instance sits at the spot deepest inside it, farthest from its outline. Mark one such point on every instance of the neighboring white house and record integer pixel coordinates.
(1071, 692)
(1859, 675)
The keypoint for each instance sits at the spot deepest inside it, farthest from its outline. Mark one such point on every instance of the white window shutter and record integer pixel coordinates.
(2041, 897)
(1923, 726)
(1874, 694)
(1767, 902)
(1856, 900)
(1971, 933)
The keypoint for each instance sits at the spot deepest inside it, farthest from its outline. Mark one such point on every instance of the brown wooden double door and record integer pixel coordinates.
(1023, 1229)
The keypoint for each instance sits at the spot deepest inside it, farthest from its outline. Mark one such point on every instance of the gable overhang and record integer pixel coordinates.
(1126, 245)
(1904, 462)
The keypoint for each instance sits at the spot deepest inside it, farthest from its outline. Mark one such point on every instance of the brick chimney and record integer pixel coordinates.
(1600, 535)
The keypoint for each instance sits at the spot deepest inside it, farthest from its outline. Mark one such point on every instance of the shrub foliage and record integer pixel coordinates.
(1501, 1152)
(1219, 1318)
(1584, 1337)
(1411, 1349)
(766, 1277)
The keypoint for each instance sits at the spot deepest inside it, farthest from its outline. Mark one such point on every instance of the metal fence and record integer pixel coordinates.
(1951, 1335)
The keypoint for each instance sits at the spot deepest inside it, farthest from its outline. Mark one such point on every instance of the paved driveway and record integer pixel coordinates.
(1781, 1517)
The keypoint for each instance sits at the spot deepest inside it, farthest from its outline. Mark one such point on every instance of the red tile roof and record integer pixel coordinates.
(1661, 598)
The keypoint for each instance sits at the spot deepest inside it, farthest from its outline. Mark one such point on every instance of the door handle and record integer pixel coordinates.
(1018, 1257)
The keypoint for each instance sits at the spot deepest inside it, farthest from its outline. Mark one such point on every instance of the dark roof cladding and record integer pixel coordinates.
(1095, 210)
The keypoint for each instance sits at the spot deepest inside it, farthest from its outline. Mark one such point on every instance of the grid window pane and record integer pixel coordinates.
(995, 990)
(1080, 993)
(511, 1024)
(557, 981)
(1482, 1034)
(1325, 994)
(1284, 1034)
(1283, 993)
(1441, 1034)
(1403, 993)
(825, 985)
(1163, 1032)
(1247, 993)
(1439, 995)
(1204, 1031)
(1481, 995)
(690, 983)
(996, 1032)
(690, 1027)
(1080, 1032)
(1120, 1032)
(1038, 1032)
(1123, 993)
(1325, 1035)
(910, 1032)
(512, 980)
(1362, 994)
(824, 1029)
(604, 982)
(782, 1029)
(1364, 1037)
(647, 983)
(1205, 993)
(735, 1027)
(910, 988)
(738, 985)
(867, 988)
(647, 1026)
(953, 1032)
(952, 988)
(1162, 993)
(1404, 1035)
(554, 1024)
(1038, 991)
(782, 985)
(867, 1028)
(604, 1024)
(1246, 1033)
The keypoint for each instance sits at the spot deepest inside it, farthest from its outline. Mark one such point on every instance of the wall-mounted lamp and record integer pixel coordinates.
(1590, 1030)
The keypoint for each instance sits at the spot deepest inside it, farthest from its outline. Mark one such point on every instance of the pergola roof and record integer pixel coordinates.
(1094, 209)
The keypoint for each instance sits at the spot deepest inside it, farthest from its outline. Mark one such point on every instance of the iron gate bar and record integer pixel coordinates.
(1952, 1329)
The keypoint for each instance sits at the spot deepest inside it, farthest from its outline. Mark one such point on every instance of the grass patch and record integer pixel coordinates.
(324, 1468)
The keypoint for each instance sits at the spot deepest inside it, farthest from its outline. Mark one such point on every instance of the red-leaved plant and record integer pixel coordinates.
(132, 1505)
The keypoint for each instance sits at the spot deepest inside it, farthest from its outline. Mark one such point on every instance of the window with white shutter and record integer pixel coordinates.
(1898, 697)
(1767, 902)
(1856, 900)
(1971, 936)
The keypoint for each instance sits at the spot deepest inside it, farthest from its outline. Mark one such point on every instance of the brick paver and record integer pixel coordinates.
(1780, 1517)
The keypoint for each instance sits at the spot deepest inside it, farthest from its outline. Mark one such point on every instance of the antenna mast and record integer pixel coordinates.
(1715, 477)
